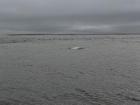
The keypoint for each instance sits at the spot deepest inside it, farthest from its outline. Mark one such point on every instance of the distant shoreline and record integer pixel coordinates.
(78, 34)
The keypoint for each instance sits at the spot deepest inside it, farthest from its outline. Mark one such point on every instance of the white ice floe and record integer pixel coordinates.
(76, 48)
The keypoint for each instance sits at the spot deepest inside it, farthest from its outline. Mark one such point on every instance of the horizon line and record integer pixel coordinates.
(73, 34)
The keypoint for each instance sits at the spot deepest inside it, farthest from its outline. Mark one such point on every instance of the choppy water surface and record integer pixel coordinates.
(44, 70)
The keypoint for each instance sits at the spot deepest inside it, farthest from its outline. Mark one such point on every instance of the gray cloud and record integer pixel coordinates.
(70, 15)
(45, 7)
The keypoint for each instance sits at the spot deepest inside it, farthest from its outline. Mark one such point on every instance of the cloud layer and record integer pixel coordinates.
(70, 16)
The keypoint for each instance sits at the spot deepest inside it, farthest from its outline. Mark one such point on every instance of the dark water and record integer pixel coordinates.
(105, 72)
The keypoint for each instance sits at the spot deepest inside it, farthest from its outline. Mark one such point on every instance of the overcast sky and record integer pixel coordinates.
(70, 16)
